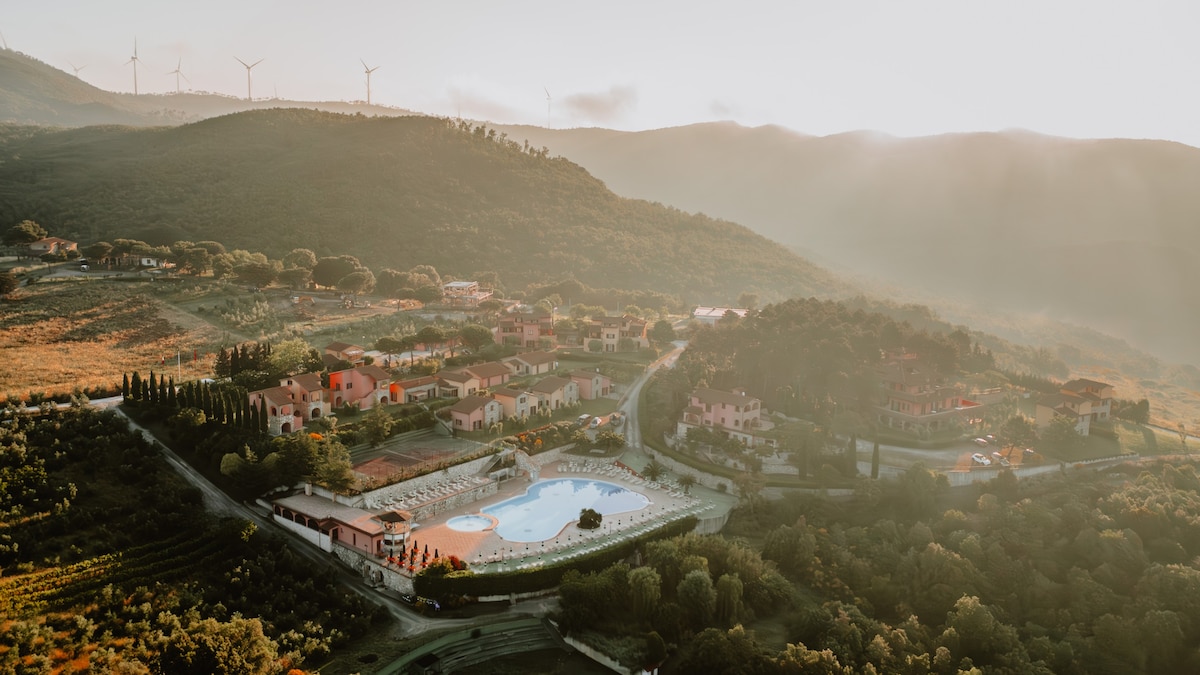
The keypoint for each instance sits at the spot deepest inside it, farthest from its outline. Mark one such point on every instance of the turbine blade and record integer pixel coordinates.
(241, 62)
(258, 62)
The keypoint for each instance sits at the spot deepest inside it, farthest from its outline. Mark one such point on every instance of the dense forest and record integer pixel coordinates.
(1088, 573)
(110, 563)
(394, 192)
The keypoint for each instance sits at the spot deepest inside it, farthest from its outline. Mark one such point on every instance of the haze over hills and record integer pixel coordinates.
(1099, 232)
(394, 191)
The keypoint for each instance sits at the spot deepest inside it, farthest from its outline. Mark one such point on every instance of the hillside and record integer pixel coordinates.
(32, 92)
(1097, 232)
(396, 192)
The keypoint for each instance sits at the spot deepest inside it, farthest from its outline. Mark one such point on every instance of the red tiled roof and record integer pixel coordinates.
(470, 404)
(341, 347)
(488, 370)
(508, 393)
(550, 385)
(375, 372)
(717, 396)
(455, 376)
(535, 358)
(277, 395)
(309, 381)
(416, 382)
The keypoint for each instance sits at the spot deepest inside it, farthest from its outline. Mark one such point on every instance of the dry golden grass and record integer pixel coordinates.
(56, 337)
(1170, 403)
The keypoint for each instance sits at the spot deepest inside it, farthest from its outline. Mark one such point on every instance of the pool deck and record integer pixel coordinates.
(487, 552)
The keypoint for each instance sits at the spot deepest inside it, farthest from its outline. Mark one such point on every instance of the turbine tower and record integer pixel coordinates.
(77, 68)
(548, 100)
(249, 67)
(134, 60)
(368, 70)
(3, 41)
(178, 73)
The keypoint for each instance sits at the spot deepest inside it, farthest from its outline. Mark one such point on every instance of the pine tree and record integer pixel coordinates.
(125, 386)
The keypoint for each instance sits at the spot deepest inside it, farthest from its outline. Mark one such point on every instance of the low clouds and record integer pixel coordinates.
(603, 107)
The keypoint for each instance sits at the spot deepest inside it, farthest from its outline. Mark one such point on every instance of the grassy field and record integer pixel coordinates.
(64, 335)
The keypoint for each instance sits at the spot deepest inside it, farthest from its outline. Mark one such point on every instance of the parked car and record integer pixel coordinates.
(616, 419)
(981, 442)
(583, 419)
(596, 421)
(1000, 458)
(989, 438)
(981, 460)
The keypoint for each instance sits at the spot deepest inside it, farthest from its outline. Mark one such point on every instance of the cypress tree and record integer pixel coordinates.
(235, 361)
(253, 423)
(262, 416)
(247, 420)
(172, 395)
(153, 388)
(221, 367)
(206, 403)
(162, 390)
(135, 386)
(145, 391)
(125, 386)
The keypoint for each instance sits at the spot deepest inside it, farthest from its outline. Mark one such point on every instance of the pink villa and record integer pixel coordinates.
(281, 413)
(526, 330)
(532, 363)
(515, 402)
(327, 523)
(308, 396)
(416, 389)
(555, 392)
(456, 383)
(592, 385)
(475, 413)
(490, 374)
(362, 387)
(733, 413)
(344, 351)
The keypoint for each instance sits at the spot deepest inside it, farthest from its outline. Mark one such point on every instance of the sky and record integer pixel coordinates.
(1084, 69)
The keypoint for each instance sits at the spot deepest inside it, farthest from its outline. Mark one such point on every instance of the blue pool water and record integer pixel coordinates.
(550, 505)
(474, 523)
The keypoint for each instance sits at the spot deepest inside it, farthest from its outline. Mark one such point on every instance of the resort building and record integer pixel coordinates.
(309, 398)
(336, 352)
(281, 413)
(416, 389)
(326, 523)
(555, 392)
(1084, 401)
(711, 315)
(489, 374)
(362, 387)
(464, 294)
(476, 413)
(592, 385)
(534, 330)
(532, 363)
(515, 402)
(734, 414)
(917, 399)
(620, 333)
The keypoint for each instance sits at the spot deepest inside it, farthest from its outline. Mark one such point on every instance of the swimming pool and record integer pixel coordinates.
(550, 505)
(471, 523)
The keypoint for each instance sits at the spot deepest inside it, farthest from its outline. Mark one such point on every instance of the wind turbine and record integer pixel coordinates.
(249, 67)
(3, 41)
(77, 68)
(368, 70)
(178, 73)
(134, 61)
(547, 106)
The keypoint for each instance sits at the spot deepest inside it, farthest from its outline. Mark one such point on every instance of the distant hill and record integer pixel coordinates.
(1099, 232)
(396, 192)
(32, 92)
